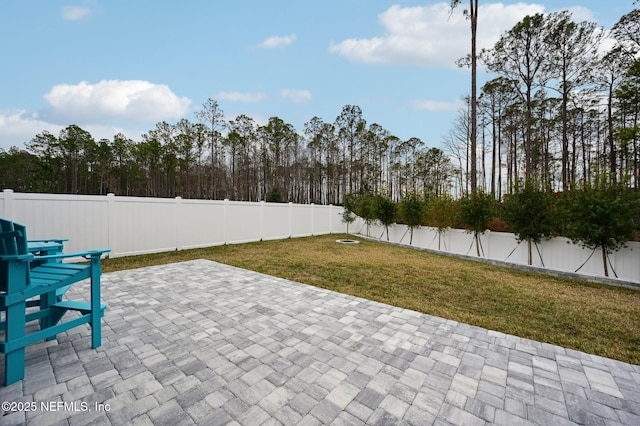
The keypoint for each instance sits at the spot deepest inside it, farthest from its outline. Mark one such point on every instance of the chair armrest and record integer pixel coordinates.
(85, 254)
(16, 257)
(49, 240)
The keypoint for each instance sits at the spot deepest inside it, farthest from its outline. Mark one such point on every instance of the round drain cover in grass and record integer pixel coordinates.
(347, 241)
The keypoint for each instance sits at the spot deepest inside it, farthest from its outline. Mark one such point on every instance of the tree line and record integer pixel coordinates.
(237, 159)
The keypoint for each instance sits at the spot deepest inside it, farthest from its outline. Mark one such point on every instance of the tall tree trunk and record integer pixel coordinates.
(565, 141)
(493, 152)
(500, 162)
(612, 146)
(473, 15)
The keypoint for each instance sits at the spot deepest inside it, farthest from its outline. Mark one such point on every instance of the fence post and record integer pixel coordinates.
(176, 221)
(488, 251)
(313, 218)
(261, 219)
(225, 220)
(7, 211)
(112, 225)
(290, 220)
(331, 218)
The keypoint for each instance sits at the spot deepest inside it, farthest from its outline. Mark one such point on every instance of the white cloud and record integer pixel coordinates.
(18, 127)
(436, 106)
(296, 96)
(241, 97)
(127, 100)
(580, 13)
(277, 41)
(98, 108)
(432, 36)
(76, 13)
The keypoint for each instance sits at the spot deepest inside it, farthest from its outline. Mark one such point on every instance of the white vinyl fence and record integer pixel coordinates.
(136, 225)
(556, 254)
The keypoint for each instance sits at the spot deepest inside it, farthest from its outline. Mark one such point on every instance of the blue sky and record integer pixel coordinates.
(122, 66)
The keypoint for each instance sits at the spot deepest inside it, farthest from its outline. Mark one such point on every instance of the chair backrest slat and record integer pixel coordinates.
(21, 241)
(13, 238)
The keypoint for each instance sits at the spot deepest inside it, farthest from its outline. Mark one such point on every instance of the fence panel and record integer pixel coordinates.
(503, 246)
(138, 225)
(301, 220)
(626, 263)
(200, 224)
(323, 220)
(63, 216)
(275, 221)
(243, 223)
(143, 225)
(459, 242)
(432, 239)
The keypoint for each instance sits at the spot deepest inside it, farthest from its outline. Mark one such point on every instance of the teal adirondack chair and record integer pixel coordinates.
(31, 289)
(47, 247)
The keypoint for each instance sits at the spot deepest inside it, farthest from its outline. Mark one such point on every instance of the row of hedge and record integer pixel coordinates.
(602, 216)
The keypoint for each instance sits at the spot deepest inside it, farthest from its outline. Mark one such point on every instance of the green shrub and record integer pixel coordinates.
(601, 216)
(476, 211)
(441, 213)
(411, 211)
(364, 209)
(349, 207)
(384, 210)
(530, 212)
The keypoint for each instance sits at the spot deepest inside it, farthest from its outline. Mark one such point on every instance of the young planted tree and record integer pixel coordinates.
(531, 214)
(441, 213)
(384, 210)
(365, 209)
(476, 210)
(601, 216)
(411, 211)
(349, 208)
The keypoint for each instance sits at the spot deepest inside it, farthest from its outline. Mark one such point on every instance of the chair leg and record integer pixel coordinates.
(14, 359)
(96, 313)
(46, 300)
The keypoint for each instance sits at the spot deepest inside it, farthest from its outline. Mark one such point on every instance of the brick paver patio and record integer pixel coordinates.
(203, 343)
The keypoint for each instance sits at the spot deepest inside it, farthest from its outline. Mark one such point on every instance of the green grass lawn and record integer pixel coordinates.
(593, 318)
